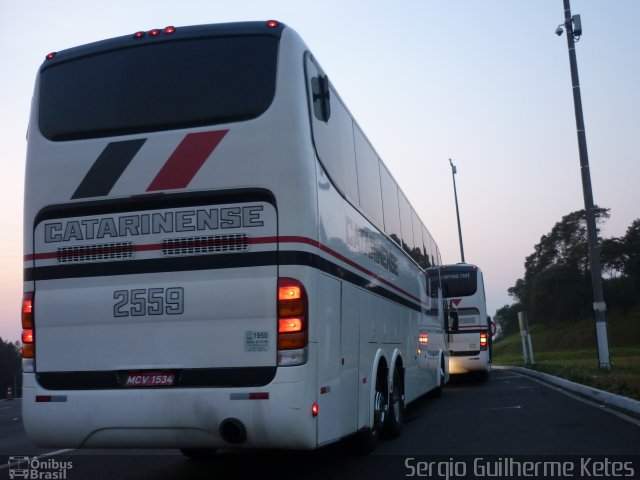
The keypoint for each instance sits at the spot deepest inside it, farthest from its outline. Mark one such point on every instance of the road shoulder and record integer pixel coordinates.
(626, 405)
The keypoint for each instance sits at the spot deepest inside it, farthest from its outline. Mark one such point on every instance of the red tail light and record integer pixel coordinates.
(483, 340)
(28, 336)
(27, 310)
(292, 315)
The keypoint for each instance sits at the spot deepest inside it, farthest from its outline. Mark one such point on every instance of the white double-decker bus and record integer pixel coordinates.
(470, 328)
(215, 256)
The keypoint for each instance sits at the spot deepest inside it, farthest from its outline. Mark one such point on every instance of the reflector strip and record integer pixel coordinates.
(249, 396)
(186, 160)
(106, 170)
(50, 398)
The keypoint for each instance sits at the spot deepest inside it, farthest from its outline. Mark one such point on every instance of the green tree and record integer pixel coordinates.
(507, 318)
(10, 368)
(631, 251)
(556, 283)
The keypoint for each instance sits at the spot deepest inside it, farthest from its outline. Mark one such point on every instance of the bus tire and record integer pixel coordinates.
(368, 438)
(437, 392)
(395, 417)
(199, 453)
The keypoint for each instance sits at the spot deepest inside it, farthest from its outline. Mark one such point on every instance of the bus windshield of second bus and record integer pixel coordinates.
(469, 326)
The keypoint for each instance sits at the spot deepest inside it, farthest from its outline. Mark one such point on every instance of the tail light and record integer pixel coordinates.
(483, 340)
(28, 335)
(293, 329)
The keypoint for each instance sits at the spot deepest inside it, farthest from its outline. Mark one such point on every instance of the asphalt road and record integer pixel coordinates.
(510, 415)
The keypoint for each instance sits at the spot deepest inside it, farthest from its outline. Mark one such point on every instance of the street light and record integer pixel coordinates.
(455, 194)
(573, 25)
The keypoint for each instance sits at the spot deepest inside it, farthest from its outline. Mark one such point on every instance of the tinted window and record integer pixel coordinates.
(333, 138)
(417, 252)
(390, 205)
(368, 178)
(161, 86)
(406, 223)
(426, 247)
(459, 282)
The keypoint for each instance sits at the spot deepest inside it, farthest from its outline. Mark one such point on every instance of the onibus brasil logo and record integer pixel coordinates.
(35, 468)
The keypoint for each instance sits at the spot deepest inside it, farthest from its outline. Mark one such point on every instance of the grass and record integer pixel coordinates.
(568, 350)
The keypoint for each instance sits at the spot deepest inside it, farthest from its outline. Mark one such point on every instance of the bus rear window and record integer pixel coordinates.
(459, 283)
(162, 86)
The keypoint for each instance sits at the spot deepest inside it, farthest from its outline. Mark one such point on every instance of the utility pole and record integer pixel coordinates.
(455, 194)
(573, 25)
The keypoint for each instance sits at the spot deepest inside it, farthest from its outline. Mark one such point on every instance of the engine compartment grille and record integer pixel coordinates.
(90, 253)
(206, 244)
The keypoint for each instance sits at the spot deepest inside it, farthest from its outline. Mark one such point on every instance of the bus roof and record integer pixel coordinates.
(270, 27)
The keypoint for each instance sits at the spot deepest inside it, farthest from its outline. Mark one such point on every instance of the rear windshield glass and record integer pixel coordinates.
(459, 283)
(162, 86)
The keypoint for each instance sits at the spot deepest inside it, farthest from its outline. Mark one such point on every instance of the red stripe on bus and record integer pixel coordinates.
(186, 160)
(258, 241)
(344, 259)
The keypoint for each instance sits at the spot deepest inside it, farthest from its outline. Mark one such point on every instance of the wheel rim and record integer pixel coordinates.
(396, 398)
(379, 410)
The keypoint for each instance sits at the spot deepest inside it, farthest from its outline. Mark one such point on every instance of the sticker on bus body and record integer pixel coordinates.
(256, 341)
(149, 379)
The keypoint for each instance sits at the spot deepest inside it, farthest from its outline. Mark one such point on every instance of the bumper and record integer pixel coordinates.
(275, 416)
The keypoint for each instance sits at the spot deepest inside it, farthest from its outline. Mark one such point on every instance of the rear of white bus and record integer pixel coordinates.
(470, 332)
(160, 175)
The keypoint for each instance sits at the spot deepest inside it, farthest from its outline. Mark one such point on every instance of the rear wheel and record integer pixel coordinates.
(395, 419)
(437, 392)
(367, 440)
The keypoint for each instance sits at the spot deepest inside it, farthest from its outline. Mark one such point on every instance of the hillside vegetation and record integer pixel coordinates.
(568, 350)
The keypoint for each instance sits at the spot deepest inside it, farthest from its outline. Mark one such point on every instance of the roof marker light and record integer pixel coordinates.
(272, 23)
(169, 30)
(139, 34)
(51, 55)
(155, 32)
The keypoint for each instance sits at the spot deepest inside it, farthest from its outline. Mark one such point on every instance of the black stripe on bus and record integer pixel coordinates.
(153, 201)
(108, 168)
(470, 330)
(185, 378)
(466, 353)
(316, 261)
(212, 262)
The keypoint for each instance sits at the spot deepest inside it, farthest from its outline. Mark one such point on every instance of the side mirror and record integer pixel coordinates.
(321, 100)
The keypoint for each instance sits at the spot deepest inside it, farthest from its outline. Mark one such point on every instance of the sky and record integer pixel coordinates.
(485, 83)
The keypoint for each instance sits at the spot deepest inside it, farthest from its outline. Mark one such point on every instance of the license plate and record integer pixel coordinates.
(149, 379)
